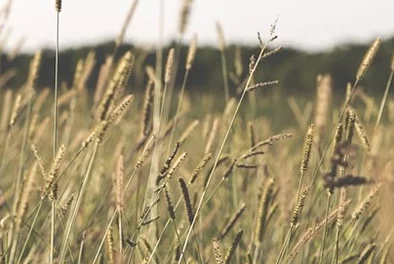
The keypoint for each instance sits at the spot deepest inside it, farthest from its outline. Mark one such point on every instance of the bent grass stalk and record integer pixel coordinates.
(190, 229)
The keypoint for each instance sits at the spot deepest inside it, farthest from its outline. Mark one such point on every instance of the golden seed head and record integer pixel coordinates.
(368, 57)
(58, 6)
(170, 62)
(186, 199)
(170, 207)
(233, 247)
(342, 207)
(119, 184)
(220, 33)
(362, 134)
(216, 251)
(300, 206)
(188, 131)
(306, 152)
(34, 68)
(16, 110)
(185, 13)
(350, 126)
(201, 165)
(392, 62)
(191, 53)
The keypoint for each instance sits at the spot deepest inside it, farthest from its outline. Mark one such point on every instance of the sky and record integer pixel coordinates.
(307, 24)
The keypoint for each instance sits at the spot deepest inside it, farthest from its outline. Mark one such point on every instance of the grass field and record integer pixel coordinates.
(178, 177)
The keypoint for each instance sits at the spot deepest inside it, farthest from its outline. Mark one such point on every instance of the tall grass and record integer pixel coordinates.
(135, 182)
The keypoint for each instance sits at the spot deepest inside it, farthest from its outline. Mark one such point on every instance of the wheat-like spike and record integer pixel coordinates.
(184, 16)
(350, 258)
(219, 31)
(169, 64)
(262, 212)
(114, 115)
(365, 203)
(212, 136)
(362, 134)
(323, 101)
(130, 13)
(150, 221)
(167, 164)
(58, 6)
(64, 208)
(191, 54)
(366, 253)
(122, 70)
(188, 131)
(15, 110)
(300, 206)
(337, 140)
(176, 165)
(311, 232)
(368, 57)
(230, 224)
(33, 126)
(201, 165)
(39, 161)
(103, 79)
(306, 152)
(247, 166)
(272, 52)
(186, 199)
(40, 100)
(5, 114)
(148, 148)
(350, 126)
(233, 247)
(217, 252)
(261, 84)
(25, 195)
(87, 69)
(341, 208)
(170, 207)
(147, 109)
(33, 70)
(78, 73)
(229, 169)
(51, 180)
(119, 184)
(110, 247)
(238, 65)
(251, 154)
(392, 63)
(252, 136)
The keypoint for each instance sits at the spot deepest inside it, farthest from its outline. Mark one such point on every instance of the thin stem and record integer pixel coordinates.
(178, 109)
(52, 231)
(29, 234)
(336, 251)
(120, 236)
(78, 203)
(325, 228)
(383, 102)
(55, 105)
(220, 151)
(285, 245)
(224, 73)
(103, 239)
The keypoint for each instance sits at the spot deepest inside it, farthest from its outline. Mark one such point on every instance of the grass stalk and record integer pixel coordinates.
(262, 50)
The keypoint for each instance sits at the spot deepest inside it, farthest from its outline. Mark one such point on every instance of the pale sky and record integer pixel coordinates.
(308, 24)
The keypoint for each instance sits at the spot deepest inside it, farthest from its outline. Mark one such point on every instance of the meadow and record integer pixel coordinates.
(173, 176)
